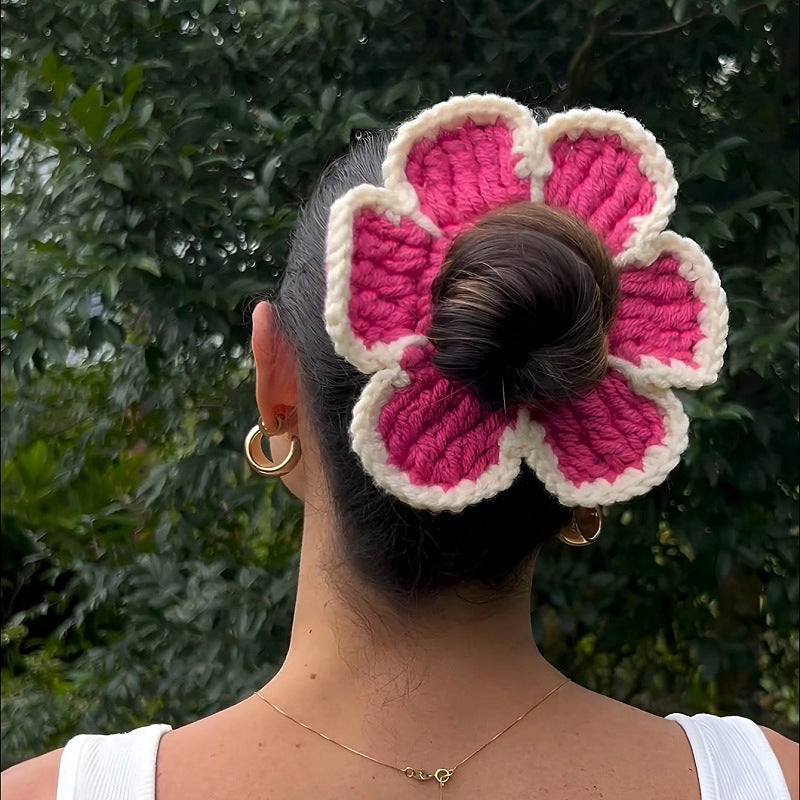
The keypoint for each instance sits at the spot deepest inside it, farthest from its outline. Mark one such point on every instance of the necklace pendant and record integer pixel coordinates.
(443, 775)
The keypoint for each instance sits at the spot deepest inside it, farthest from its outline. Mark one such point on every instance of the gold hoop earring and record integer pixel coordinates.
(584, 527)
(262, 426)
(254, 453)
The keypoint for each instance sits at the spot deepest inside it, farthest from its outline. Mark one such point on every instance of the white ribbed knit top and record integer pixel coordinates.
(121, 766)
(734, 759)
(734, 762)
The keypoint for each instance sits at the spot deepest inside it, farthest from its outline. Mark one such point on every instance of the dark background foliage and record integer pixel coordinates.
(154, 158)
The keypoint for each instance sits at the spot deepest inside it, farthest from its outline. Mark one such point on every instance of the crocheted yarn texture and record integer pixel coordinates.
(428, 440)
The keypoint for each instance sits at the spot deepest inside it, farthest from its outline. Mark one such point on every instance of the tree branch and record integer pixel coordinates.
(530, 8)
(678, 25)
(577, 58)
(615, 54)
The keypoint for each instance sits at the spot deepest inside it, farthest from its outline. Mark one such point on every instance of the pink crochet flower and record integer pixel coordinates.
(426, 439)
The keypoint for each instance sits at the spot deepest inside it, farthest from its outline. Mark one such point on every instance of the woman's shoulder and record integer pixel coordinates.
(119, 766)
(788, 754)
(136, 751)
(35, 779)
(746, 758)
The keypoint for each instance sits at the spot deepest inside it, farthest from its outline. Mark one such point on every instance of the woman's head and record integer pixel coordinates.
(487, 315)
(524, 302)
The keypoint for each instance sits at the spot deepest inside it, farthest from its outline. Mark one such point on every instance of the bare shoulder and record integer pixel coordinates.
(787, 752)
(36, 779)
(651, 755)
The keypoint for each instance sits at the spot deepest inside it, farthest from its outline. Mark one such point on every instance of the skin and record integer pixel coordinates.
(423, 688)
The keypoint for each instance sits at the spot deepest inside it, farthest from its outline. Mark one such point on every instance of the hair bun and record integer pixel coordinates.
(523, 305)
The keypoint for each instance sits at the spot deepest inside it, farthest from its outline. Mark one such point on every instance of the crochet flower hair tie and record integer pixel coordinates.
(429, 440)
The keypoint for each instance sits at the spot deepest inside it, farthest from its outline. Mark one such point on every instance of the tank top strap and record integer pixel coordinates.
(733, 757)
(121, 766)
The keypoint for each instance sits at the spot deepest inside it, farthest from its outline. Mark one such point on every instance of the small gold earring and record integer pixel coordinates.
(254, 453)
(584, 527)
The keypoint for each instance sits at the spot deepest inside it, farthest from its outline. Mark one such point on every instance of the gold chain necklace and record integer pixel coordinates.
(441, 775)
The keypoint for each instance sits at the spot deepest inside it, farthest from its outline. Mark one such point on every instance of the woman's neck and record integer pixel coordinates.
(373, 671)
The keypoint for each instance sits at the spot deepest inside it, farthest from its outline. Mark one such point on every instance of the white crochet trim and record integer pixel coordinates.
(696, 268)
(369, 445)
(659, 460)
(653, 164)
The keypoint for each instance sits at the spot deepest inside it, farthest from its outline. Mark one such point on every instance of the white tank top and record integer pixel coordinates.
(733, 758)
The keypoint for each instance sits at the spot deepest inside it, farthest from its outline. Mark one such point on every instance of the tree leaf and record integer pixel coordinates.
(116, 176)
(148, 264)
(62, 82)
(89, 112)
(133, 80)
(49, 68)
(144, 110)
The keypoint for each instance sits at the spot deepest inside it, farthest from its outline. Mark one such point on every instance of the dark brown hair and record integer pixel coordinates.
(542, 273)
(523, 305)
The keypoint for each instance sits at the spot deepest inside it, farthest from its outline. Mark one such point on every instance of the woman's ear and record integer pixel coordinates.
(276, 370)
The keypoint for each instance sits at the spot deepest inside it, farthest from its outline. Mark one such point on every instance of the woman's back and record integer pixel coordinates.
(584, 745)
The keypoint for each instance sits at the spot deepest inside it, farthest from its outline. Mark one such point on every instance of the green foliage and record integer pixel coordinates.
(154, 158)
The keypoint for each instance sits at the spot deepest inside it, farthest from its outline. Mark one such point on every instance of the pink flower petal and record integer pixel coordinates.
(435, 431)
(393, 267)
(672, 318)
(658, 315)
(603, 434)
(465, 172)
(598, 179)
